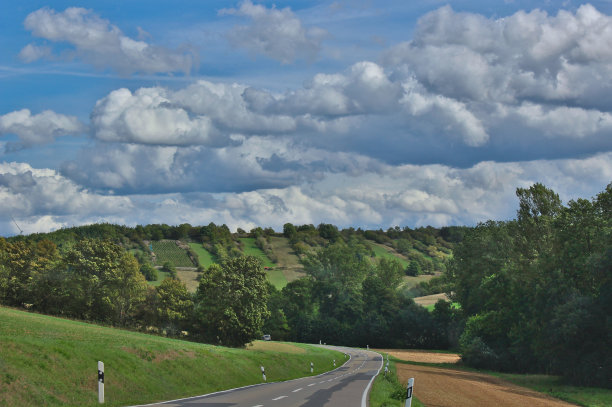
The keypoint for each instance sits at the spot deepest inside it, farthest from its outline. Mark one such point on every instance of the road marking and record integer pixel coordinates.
(259, 405)
(311, 384)
(296, 390)
(278, 398)
(322, 382)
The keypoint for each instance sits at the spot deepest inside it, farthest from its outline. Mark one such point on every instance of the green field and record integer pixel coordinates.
(384, 252)
(168, 251)
(47, 361)
(275, 276)
(250, 249)
(204, 256)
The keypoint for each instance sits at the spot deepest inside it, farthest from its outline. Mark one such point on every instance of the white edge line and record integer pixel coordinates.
(364, 397)
(246, 387)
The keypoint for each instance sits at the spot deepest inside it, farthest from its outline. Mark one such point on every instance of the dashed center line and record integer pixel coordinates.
(296, 390)
(311, 384)
(278, 398)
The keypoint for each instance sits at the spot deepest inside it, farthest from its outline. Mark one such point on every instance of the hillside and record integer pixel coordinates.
(53, 362)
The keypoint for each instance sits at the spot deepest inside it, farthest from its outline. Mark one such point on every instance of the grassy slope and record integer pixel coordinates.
(53, 362)
(288, 261)
(204, 256)
(388, 253)
(275, 276)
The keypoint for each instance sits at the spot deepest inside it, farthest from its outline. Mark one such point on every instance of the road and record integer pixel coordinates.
(344, 387)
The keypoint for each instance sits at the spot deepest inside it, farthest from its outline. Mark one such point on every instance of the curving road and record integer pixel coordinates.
(346, 386)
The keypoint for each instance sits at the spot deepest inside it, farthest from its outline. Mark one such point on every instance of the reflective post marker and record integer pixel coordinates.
(100, 382)
(263, 373)
(311, 367)
(409, 392)
(334, 362)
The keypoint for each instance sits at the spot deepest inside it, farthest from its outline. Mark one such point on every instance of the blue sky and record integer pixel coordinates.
(357, 113)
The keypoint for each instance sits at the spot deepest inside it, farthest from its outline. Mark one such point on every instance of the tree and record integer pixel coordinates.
(173, 305)
(231, 302)
(105, 281)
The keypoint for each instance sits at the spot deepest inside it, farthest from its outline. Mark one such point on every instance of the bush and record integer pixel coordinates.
(476, 353)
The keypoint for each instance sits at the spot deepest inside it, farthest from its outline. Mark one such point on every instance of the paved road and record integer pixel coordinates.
(344, 387)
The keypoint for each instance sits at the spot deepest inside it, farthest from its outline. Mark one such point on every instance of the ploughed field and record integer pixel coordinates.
(449, 387)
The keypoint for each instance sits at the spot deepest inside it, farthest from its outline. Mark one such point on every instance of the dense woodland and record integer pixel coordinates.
(534, 294)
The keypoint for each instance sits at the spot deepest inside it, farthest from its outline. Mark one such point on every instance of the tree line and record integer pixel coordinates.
(536, 291)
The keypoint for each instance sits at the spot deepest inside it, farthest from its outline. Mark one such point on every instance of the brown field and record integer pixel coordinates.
(189, 278)
(430, 299)
(447, 387)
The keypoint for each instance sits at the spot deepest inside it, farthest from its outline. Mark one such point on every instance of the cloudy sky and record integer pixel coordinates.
(255, 113)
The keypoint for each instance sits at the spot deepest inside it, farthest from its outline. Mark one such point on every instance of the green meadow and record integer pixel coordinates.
(53, 362)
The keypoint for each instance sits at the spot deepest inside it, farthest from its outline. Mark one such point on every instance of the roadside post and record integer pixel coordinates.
(368, 347)
(311, 367)
(409, 392)
(263, 373)
(100, 382)
(334, 362)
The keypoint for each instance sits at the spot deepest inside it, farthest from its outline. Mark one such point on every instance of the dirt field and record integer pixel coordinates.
(430, 299)
(423, 356)
(441, 387)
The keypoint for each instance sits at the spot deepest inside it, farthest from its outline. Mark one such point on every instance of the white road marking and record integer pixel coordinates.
(311, 384)
(278, 398)
(259, 405)
(296, 390)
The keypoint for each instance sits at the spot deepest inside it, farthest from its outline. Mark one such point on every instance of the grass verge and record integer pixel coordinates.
(53, 362)
(387, 391)
(555, 387)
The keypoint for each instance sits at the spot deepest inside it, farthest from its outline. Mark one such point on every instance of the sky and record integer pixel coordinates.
(360, 113)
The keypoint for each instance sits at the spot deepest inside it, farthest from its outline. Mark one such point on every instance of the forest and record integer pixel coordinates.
(532, 294)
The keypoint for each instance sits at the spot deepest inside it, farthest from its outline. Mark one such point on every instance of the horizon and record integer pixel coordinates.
(251, 113)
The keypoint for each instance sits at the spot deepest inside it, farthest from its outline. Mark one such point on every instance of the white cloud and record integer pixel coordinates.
(29, 192)
(97, 41)
(276, 33)
(40, 128)
(412, 195)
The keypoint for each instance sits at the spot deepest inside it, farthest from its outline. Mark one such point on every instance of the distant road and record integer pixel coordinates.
(346, 386)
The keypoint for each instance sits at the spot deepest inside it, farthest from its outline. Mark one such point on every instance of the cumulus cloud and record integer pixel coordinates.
(412, 195)
(30, 192)
(261, 163)
(97, 41)
(41, 128)
(528, 56)
(276, 33)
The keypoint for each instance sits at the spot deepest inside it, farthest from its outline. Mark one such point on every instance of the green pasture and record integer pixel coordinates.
(204, 256)
(249, 249)
(48, 361)
(384, 252)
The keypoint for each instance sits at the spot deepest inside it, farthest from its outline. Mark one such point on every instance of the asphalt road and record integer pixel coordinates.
(344, 387)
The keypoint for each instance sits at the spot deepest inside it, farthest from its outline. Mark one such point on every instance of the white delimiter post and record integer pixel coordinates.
(100, 382)
(409, 392)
